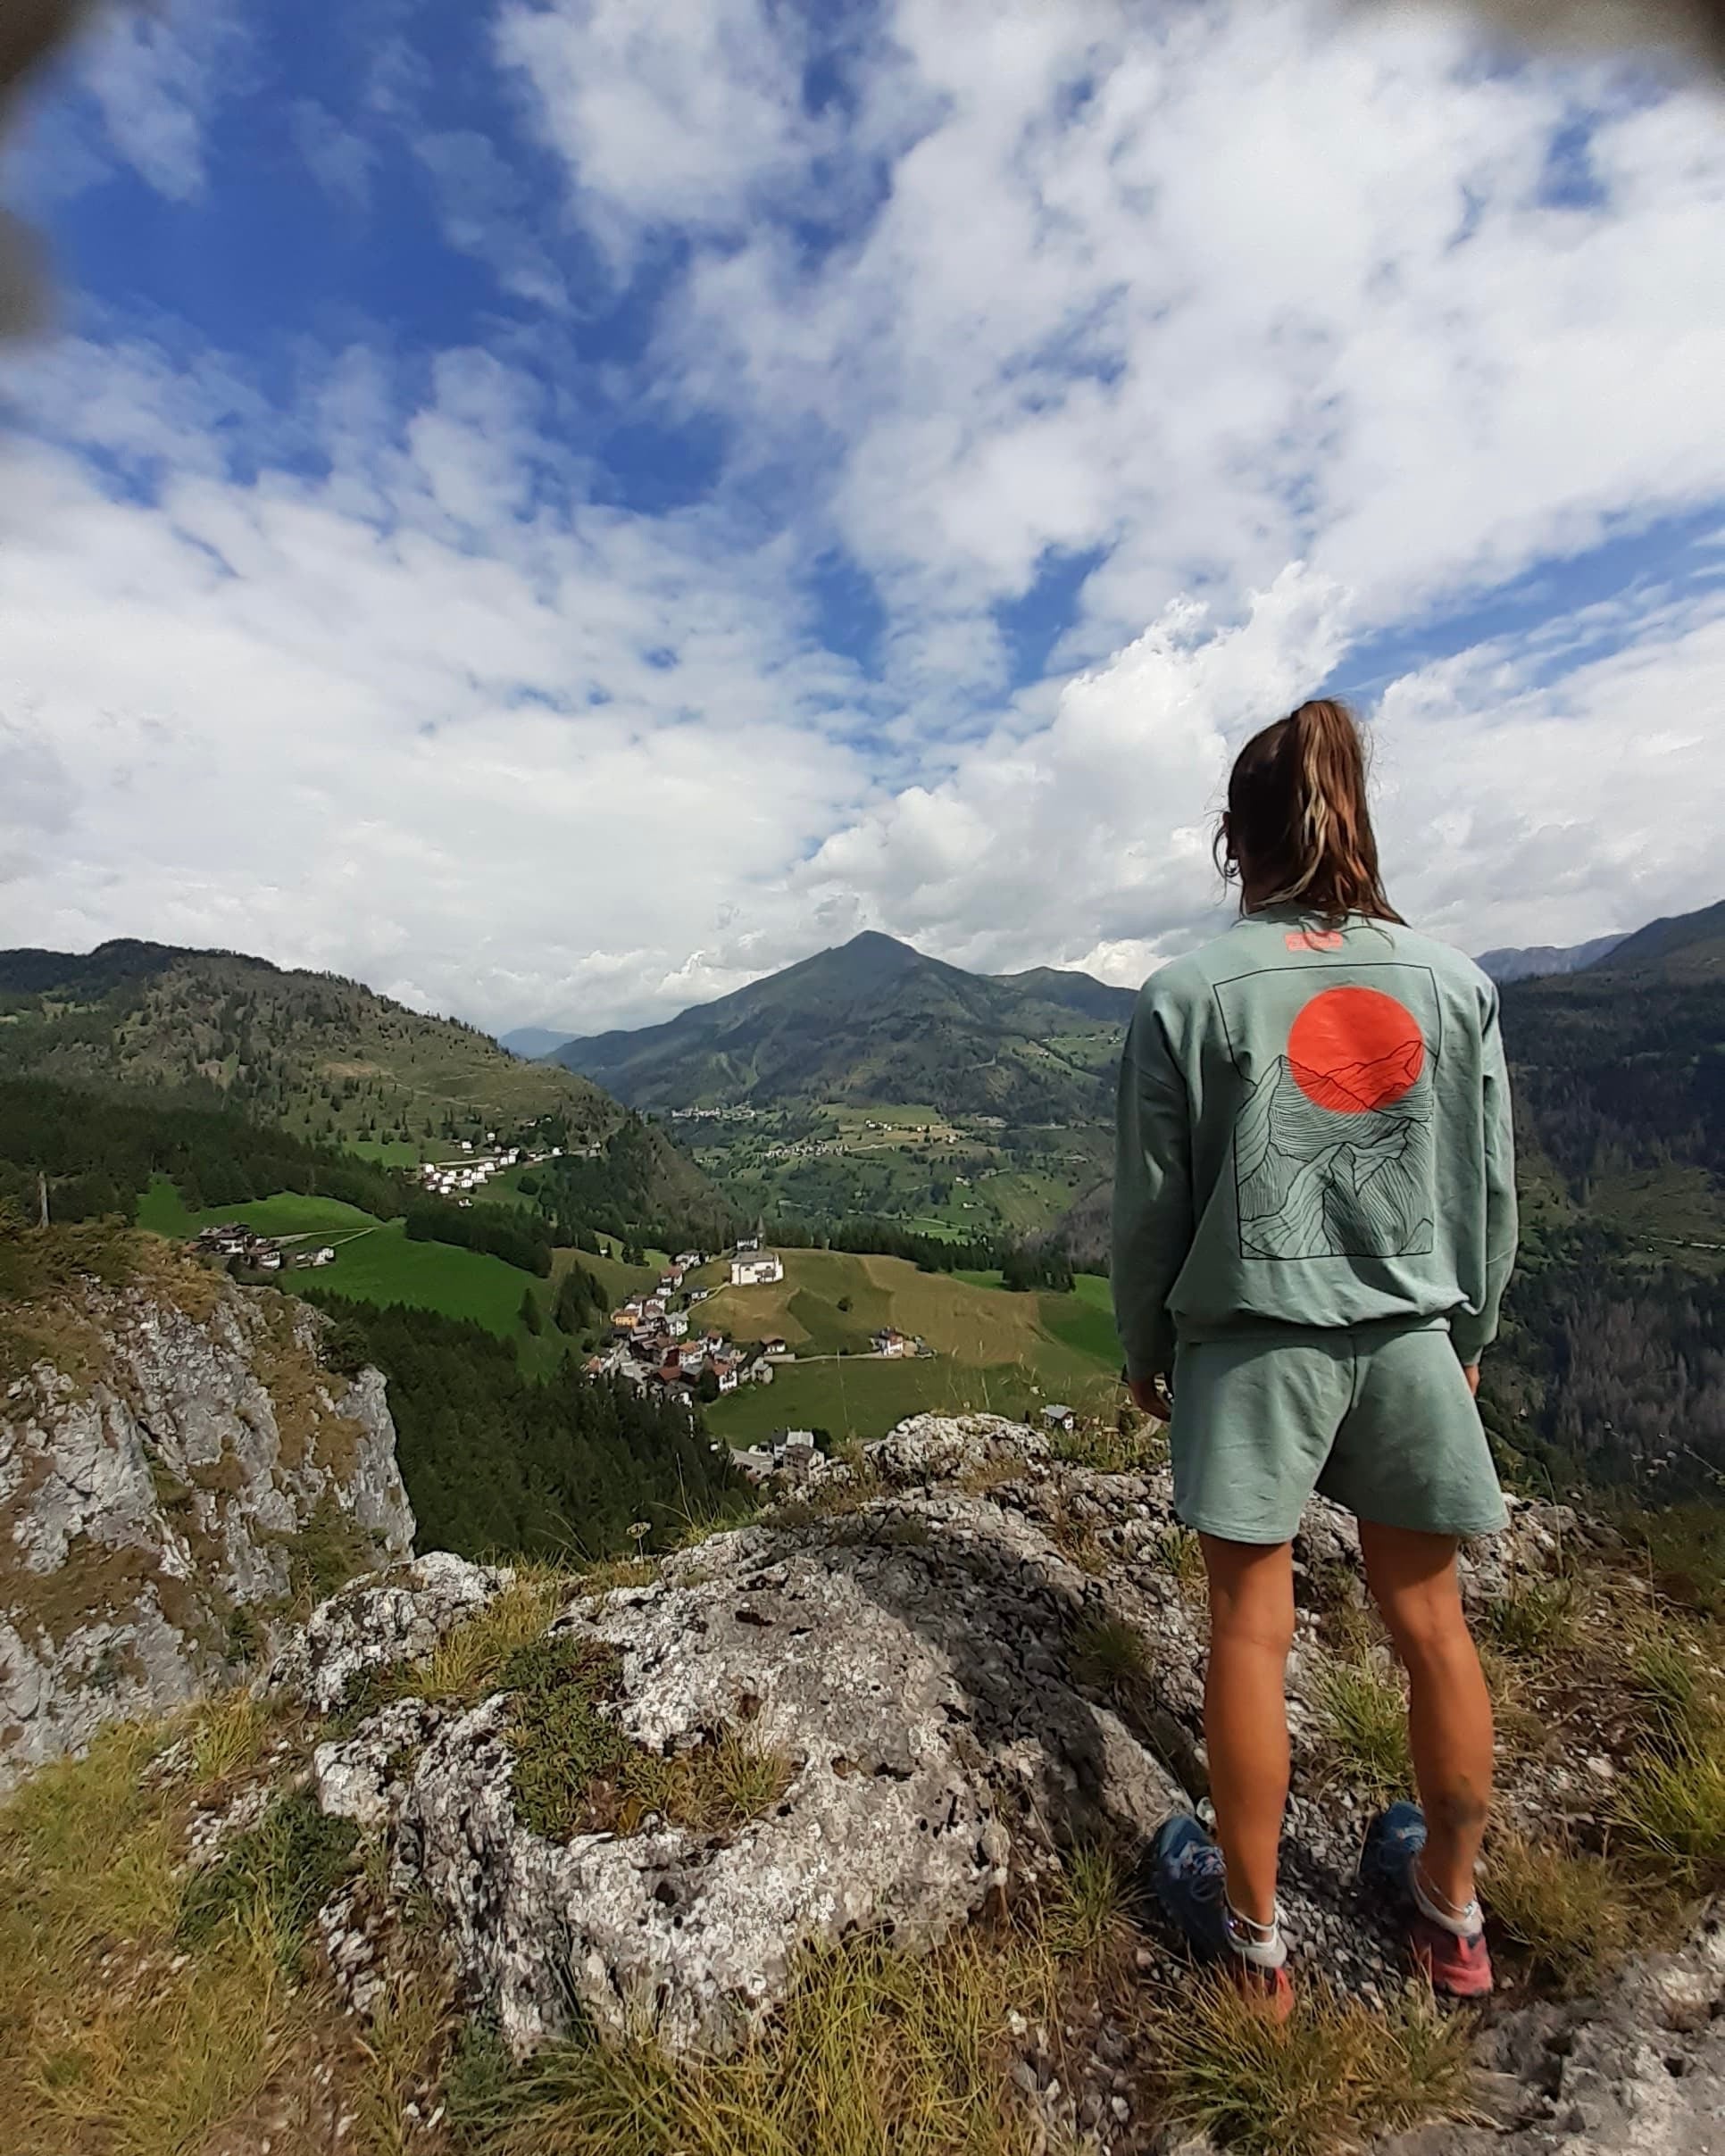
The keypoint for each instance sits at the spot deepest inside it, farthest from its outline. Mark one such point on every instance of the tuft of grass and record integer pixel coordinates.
(744, 1779)
(1334, 2074)
(872, 2051)
(1567, 1908)
(272, 1880)
(1363, 1724)
(576, 1772)
(1537, 1616)
(230, 1738)
(1087, 1918)
(1109, 1653)
(401, 2055)
(613, 1572)
(469, 1660)
(1671, 1686)
(330, 1549)
(1670, 1807)
(560, 1742)
(1109, 1450)
(1177, 1550)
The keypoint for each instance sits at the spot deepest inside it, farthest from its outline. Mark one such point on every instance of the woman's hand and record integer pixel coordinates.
(1471, 1371)
(1151, 1395)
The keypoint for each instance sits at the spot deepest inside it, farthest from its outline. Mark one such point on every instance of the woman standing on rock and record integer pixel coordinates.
(1314, 1219)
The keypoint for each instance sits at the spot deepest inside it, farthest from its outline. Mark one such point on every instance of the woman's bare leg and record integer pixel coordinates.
(1245, 1711)
(1413, 1578)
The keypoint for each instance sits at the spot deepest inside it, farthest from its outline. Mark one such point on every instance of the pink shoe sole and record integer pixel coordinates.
(1461, 1969)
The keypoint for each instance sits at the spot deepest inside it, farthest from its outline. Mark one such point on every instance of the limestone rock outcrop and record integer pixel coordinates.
(168, 1482)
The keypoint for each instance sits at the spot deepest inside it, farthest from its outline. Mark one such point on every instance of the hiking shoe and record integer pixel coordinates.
(1450, 1952)
(1191, 1882)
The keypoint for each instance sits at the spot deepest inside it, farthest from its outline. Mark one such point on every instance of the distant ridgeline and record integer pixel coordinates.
(326, 1062)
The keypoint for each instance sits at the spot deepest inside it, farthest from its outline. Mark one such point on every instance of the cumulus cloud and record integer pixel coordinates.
(1142, 372)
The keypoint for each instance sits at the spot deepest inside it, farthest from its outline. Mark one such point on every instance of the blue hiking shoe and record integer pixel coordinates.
(1449, 1950)
(1191, 1882)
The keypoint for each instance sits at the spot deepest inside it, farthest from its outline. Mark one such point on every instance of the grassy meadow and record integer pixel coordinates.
(994, 1352)
(375, 1262)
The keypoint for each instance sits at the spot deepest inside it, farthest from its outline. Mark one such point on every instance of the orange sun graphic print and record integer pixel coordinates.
(1334, 1154)
(1355, 1049)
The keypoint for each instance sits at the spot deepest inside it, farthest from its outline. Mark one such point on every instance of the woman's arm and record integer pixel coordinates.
(1473, 1334)
(1153, 1196)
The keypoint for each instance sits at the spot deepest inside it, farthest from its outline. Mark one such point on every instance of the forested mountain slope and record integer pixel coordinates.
(311, 1051)
(875, 1021)
(316, 1056)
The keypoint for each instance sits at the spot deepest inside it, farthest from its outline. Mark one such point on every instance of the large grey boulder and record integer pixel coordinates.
(908, 1665)
(155, 1492)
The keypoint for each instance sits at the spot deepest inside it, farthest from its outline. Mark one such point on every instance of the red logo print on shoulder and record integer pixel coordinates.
(1313, 939)
(1351, 1050)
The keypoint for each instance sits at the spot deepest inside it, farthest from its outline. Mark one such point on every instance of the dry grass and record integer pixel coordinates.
(613, 1572)
(1670, 1807)
(1177, 1551)
(1335, 2073)
(467, 1661)
(1362, 1713)
(1111, 1450)
(231, 1736)
(109, 2039)
(402, 2052)
(1567, 1910)
(874, 2051)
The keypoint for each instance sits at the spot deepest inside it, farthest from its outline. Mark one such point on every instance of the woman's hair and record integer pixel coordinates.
(1297, 823)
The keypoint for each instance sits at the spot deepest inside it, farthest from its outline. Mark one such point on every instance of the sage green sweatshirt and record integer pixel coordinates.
(1314, 1130)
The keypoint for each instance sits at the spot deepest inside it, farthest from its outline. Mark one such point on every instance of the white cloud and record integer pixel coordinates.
(154, 73)
(339, 160)
(1252, 304)
(1243, 288)
(670, 111)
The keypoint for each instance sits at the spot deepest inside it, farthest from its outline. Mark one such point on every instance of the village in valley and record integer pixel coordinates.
(657, 1338)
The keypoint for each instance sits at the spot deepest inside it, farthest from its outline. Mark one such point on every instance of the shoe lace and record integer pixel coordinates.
(1200, 1870)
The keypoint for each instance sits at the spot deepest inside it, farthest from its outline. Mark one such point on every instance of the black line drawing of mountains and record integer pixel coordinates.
(1351, 1088)
(1312, 1183)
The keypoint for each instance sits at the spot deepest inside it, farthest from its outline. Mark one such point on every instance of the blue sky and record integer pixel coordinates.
(558, 509)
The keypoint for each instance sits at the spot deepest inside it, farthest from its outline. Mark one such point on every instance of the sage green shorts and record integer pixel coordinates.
(1378, 1417)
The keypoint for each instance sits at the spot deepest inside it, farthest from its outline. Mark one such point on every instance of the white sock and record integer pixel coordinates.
(1466, 1923)
(1261, 1945)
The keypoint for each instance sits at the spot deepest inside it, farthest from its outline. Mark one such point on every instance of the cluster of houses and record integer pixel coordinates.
(654, 1336)
(234, 1243)
(475, 1169)
(788, 1452)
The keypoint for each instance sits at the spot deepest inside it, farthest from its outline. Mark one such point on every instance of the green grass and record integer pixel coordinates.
(378, 1264)
(872, 2051)
(1362, 1718)
(394, 1152)
(854, 1398)
(277, 1874)
(1085, 1320)
(162, 1210)
(1566, 1910)
(993, 1351)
